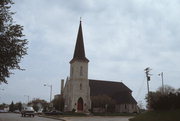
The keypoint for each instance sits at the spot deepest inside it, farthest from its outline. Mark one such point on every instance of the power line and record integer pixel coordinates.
(141, 87)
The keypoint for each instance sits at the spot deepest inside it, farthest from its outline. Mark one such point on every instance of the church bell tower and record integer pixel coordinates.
(80, 95)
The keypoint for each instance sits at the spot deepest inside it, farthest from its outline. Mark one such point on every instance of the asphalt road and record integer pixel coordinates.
(98, 118)
(17, 117)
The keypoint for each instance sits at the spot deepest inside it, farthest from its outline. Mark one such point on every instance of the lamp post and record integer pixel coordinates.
(50, 91)
(162, 78)
(27, 98)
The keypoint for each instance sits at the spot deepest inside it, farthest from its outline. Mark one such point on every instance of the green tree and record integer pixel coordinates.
(12, 42)
(58, 103)
(11, 107)
(168, 100)
(18, 106)
(2, 106)
(166, 89)
(38, 104)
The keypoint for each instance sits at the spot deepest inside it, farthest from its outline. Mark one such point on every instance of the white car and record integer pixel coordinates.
(27, 111)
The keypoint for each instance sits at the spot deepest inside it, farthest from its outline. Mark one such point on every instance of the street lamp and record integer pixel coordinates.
(27, 97)
(162, 78)
(50, 90)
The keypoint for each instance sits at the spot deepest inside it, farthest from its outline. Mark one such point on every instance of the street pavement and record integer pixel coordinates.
(97, 118)
(17, 117)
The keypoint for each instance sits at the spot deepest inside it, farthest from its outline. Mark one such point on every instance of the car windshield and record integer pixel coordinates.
(29, 108)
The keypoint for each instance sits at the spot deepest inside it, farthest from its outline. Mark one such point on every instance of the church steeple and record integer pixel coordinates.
(79, 52)
(77, 87)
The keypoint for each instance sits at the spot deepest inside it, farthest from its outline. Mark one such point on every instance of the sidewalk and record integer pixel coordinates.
(91, 118)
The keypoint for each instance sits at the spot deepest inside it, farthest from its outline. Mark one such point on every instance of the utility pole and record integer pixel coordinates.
(162, 78)
(50, 99)
(50, 86)
(147, 70)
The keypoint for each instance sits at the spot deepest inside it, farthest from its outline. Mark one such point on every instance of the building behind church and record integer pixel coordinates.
(79, 92)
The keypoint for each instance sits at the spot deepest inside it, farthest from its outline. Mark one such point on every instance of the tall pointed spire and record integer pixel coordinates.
(79, 52)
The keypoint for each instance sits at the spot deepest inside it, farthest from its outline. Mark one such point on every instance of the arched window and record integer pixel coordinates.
(81, 71)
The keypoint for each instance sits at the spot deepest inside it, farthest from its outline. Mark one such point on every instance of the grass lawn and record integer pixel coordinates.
(173, 115)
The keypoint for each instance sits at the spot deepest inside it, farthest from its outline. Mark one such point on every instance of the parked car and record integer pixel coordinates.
(27, 111)
(16, 111)
(39, 112)
(54, 112)
(2, 111)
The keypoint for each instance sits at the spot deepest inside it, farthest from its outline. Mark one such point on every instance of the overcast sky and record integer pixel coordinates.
(122, 38)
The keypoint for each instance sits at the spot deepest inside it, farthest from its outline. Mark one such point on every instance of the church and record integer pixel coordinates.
(78, 91)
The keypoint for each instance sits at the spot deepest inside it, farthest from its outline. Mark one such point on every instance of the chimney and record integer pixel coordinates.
(62, 86)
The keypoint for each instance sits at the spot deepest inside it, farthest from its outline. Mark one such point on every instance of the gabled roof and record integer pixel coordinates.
(79, 52)
(116, 90)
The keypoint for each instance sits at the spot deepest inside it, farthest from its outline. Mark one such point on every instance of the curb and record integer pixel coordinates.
(51, 117)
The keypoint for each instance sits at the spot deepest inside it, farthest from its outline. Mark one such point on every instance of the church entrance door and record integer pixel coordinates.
(80, 104)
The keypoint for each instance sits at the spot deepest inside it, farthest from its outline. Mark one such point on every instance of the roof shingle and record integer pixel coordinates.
(116, 90)
(79, 52)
